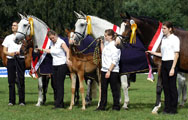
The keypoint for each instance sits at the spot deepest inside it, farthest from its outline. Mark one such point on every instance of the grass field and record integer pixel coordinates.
(142, 99)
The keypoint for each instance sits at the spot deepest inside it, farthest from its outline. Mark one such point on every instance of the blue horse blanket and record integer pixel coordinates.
(133, 58)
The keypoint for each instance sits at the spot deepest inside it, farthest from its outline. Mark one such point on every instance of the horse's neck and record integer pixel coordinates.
(146, 32)
(72, 49)
(99, 26)
(40, 32)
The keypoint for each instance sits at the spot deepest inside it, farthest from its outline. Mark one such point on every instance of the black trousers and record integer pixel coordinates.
(16, 71)
(114, 81)
(59, 74)
(170, 88)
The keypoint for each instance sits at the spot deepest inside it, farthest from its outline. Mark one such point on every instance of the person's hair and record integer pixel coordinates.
(15, 22)
(110, 32)
(51, 32)
(169, 25)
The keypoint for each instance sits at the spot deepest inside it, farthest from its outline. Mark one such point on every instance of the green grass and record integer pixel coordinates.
(142, 99)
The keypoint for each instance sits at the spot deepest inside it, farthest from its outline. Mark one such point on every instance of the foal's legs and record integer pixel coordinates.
(81, 80)
(73, 83)
(99, 79)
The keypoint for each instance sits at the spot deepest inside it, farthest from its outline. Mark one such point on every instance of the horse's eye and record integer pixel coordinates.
(25, 25)
(82, 25)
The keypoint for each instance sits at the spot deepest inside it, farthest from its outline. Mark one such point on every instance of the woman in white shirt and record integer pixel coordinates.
(110, 70)
(60, 55)
(170, 48)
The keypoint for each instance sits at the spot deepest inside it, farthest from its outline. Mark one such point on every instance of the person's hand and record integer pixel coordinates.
(17, 53)
(148, 51)
(171, 73)
(107, 75)
(11, 54)
(14, 53)
(69, 62)
(38, 49)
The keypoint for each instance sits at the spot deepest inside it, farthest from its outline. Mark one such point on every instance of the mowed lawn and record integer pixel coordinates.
(142, 98)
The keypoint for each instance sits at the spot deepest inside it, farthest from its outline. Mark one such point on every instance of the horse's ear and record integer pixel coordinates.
(82, 14)
(122, 15)
(77, 15)
(21, 16)
(67, 31)
(25, 14)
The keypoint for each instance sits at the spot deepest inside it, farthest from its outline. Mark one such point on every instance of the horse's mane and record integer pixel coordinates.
(149, 20)
(100, 19)
(39, 20)
(1, 40)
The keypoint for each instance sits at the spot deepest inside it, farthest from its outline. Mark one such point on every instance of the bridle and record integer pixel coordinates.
(124, 39)
(81, 36)
(25, 33)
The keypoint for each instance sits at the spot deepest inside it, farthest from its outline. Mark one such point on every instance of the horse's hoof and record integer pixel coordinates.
(38, 105)
(70, 108)
(83, 108)
(125, 106)
(181, 105)
(155, 110)
(155, 113)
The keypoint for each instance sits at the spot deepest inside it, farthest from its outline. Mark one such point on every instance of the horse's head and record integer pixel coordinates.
(145, 27)
(70, 34)
(125, 30)
(25, 28)
(82, 27)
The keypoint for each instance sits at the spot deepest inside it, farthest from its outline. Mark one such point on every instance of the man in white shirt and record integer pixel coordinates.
(15, 67)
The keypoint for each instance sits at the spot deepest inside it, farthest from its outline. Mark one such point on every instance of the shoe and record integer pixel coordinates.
(56, 108)
(22, 104)
(166, 112)
(10, 104)
(115, 109)
(173, 112)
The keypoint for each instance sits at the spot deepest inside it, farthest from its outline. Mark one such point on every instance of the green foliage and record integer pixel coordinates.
(58, 14)
(163, 10)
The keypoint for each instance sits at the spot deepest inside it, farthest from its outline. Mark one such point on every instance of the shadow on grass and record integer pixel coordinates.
(141, 105)
(31, 93)
(2, 92)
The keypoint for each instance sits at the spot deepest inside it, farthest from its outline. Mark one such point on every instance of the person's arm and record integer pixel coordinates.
(109, 70)
(174, 64)
(115, 59)
(46, 50)
(154, 53)
(43, 50)
(64, 46)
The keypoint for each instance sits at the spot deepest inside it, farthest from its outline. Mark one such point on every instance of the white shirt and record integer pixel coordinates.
(58, 53)
(169, 46)
(11, 45)
(110, 54)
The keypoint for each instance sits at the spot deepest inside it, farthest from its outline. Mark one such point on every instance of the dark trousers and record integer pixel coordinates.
(59, 74)
(114, 81)
(16, 71)
(170, 88)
